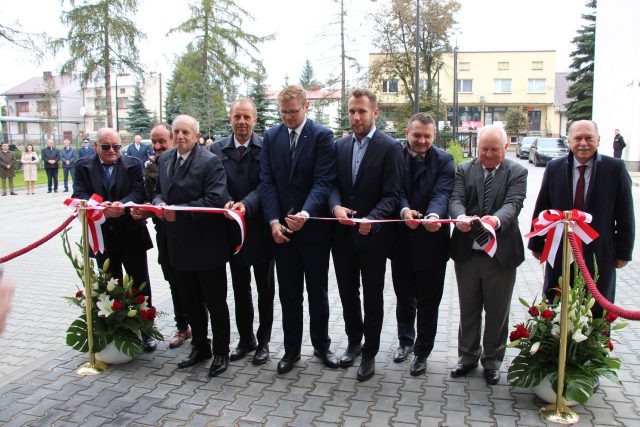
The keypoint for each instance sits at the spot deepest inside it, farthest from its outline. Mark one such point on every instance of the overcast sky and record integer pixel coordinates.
(303, 30)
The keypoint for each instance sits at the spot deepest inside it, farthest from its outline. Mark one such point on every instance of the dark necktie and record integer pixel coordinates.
(419, 158)
(177, 164)
(292, 142)
(241, 150)
(578, 201)
(487, 189)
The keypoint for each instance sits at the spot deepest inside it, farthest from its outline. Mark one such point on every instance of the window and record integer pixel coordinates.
(502, 85)
(537, 65)
(464, 66)
(22, 107)
(494, 114)
(503, 66)
(537, 85)
(43, 106)
(123, 91)
(123, 103)
(98, 92)
(99, 123)
(389, 86)
(22, 128)
(101, 103)
(465, 114)
(465, 85)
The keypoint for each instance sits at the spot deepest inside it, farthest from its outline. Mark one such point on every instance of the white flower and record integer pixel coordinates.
(111, 284)
(578, 336)
(104, 304)
(94, 286)
(555, 331)
(534, 347)
(144, 306)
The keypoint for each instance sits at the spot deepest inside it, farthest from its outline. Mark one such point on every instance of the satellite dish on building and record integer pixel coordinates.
(83, 111)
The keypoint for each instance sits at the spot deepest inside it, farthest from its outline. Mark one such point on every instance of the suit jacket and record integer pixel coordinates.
(70, 155)
(243, 177)
(196, 241)
(7, 159)
(508, 191)
(90, 178)
(142, 154)
(375, 192)
(301, 184)
(85, 152)
(426, 190)
(608, 200)
(52, 154)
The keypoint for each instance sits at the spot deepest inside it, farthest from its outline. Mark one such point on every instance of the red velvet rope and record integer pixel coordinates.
(600, 299)
(39, 242)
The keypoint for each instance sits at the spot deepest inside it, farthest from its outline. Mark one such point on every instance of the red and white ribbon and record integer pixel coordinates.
(237, 216)
(95, 217)
(551, 223)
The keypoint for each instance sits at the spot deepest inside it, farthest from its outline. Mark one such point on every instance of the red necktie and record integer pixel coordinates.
(578, 201)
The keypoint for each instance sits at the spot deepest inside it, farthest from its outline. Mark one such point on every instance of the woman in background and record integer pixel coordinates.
(30, 161)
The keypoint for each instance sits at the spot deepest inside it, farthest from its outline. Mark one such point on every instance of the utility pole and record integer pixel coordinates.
(454, 127)
(416, 94)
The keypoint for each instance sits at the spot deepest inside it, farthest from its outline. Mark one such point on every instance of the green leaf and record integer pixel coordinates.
(619, 326)
(523, 302)
(128, 342)
(77, 335)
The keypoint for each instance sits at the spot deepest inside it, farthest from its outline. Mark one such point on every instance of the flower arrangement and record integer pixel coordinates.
(120, 312)
(589, 345)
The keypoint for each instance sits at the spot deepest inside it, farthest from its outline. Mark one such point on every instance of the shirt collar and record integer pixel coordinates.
(369, 135)
(299, 128)
(237, 143)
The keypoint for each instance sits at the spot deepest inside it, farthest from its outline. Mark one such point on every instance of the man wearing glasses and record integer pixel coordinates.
(297, 170)
(117, 180)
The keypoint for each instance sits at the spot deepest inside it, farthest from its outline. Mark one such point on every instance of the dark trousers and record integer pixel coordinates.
(52, 177)
(135, 264)
(417, 292)
(179, 311)
(265, 284)
(67, 172)
(350, 264)
(202, 291)
(297, 262)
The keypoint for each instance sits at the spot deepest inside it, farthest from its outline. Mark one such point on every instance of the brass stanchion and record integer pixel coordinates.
(560, 413)
(92, 367)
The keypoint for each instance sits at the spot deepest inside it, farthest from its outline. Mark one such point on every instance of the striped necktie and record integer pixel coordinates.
(487, 190)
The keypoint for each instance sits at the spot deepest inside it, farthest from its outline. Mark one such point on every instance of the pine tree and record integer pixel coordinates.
(258, 94)
(581, 91)
(306, 76)
(139, 120)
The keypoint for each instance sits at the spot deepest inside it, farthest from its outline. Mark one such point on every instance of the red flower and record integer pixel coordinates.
(144, 314)
(134, 290)
(524, 332)
(610, 345)
(140, 299)
(533, 311)
(152, 313)
(126, 294)
(117, 305)
(547, 314)
(611, 317)
(79, 294)
(514, 336)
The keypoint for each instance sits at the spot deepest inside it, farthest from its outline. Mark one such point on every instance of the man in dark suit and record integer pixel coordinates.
(421, 251)
(162, 140)
(198, 243)
(86, 150)
(618, 144)
(68, 157)
(493, 188)
(240, 155)
(117, 180)
(597, 184)
(297, 170)
(369, 165)
(51, 158)
(139, 150)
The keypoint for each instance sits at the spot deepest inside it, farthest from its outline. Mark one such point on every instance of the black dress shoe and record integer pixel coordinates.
(286, 363)
(261, 355)
(196, 356)
(219, 365)
(148, 343)
(367, 368)
(461, 370)
(350, 355)
(242, 349)
(418, 366)
(492, 376)
(401, 353)
(329, 359)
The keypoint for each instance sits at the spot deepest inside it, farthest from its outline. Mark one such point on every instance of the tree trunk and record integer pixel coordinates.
(107, 68)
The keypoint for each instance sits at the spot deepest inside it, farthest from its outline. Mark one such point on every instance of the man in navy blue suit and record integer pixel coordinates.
(369, 165)
(421, 251)
(297, 171)
(139, 150)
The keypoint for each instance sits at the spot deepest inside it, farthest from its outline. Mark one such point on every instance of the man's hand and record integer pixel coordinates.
(464, 227)
(537, 255)
(409, 217)
(239, 206)
(51, 161)
(113, 209)
(170, 216)
(365, 227)
(138, 214)
(620, 263)
(278, 233)
(432, 226)
(493, 219)
(295, 222)
(344, 215)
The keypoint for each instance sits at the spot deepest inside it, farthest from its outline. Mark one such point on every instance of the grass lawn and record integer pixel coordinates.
(18, 181)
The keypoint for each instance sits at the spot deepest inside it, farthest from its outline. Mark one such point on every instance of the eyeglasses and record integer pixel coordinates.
(107, 147)
(290, 112)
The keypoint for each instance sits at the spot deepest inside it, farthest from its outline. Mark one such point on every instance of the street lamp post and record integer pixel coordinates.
(416, 94)
(454, 128)
(117, 107)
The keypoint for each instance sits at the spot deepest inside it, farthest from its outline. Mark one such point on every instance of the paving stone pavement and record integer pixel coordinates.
(39, 386)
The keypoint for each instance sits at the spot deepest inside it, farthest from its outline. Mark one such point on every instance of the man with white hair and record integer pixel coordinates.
(492, 188)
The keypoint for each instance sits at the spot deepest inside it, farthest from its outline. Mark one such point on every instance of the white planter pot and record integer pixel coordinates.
(545, 392)
(112, 356)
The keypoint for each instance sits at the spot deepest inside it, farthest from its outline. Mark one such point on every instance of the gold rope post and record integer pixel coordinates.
(558, 412)
(92, 367)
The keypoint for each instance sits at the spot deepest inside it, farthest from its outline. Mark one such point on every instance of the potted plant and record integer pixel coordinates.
(589, 346)
(120, 313)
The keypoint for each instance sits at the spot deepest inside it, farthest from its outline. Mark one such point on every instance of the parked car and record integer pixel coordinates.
(545, 149)
(522, 149)
(403, 141)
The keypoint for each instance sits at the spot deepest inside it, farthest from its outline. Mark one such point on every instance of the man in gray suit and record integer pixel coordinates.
(493, 188)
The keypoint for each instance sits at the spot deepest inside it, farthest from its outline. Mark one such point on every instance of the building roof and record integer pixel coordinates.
(37, 86)
(560, 98)
(312, 95)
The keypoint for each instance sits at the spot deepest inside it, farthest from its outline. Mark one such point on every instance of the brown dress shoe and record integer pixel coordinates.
(180, 337)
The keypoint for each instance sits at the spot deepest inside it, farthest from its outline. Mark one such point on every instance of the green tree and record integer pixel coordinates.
(139, 120)
(581, 91)
(258, 94)
(102, 37)
(516, 122)
(306, 76)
